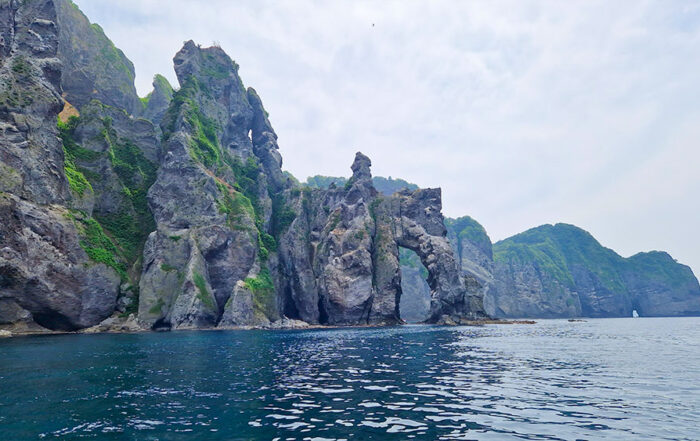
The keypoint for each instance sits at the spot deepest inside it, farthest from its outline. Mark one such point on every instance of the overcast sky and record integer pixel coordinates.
(524, 113)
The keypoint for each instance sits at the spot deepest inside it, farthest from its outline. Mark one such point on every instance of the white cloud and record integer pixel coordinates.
(524, 112)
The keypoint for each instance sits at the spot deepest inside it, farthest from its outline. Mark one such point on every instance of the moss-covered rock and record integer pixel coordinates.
(93, 68)
(562, 271)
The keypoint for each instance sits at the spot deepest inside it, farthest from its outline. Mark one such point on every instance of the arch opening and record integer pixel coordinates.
(414, 303)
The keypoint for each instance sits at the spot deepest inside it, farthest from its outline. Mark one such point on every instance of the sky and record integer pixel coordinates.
(523, 112)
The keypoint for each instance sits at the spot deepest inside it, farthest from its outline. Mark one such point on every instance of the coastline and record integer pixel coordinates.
(129, 325)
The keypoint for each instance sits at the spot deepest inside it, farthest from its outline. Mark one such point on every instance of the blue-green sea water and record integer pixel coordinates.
(621, 379)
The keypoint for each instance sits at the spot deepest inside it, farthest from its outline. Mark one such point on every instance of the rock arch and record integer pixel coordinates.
(421, 228)
(355, 234)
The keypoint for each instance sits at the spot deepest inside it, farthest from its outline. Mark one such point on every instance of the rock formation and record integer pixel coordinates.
(211, 202)
(240, 244)
(52, 267)
(93, 68)
(175, 207)
(173, 211)
(157, 101)
(562, 271)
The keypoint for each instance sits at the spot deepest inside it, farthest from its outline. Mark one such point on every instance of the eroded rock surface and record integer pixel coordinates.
(50, 269)
(208, 263)
(93, 68)
(351, 274)
(192, 224)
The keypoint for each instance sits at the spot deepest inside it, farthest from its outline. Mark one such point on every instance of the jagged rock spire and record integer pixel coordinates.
(361, 168)
(360, 184)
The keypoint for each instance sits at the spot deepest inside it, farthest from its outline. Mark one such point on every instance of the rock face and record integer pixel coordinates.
(562, 271)
(53, 266)
(351, 274)
(240, 244)
(158, 101)
(45, 274)
(211, 202)
(31, 158)
(174, 211)
(93, 68)
(192, 224)
(472, 246)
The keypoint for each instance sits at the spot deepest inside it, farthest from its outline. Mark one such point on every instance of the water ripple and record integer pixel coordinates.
(602, 379)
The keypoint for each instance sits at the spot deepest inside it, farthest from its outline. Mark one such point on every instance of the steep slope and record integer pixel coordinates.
(57, 267)
(208, 259)
(239, 243)
(93, 68)
(351, 274)
(662, 286)
(95, 174)
(156, 103)
(193, 223)
(561, 271)
(473, 247)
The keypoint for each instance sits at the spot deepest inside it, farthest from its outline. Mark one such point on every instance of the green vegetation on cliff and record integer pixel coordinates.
(282, 216)
(93, 67)
(162, 83)
(536, 247)
(202, 292)
(131, 221)
(98, 246)
(241, 197)
(263, 290)
(71, 151)
(659, 266)
(561, 249)
(466, 228)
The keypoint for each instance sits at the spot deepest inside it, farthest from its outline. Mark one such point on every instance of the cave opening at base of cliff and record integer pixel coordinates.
(322, 313)
(161, 325)
(54, 321)
(414, 303)
(290, 307)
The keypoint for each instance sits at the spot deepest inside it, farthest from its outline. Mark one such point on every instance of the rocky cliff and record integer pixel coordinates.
(173, 210)
(559, 271)
(55, 271)
(562, 271)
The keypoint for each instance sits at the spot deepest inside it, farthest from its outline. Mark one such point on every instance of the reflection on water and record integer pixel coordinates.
(602, 379)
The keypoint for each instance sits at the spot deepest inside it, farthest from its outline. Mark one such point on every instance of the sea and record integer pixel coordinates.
(598, 379)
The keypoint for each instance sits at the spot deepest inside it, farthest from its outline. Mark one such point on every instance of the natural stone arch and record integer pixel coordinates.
(340, 257)
(414, 302)
(420, 227)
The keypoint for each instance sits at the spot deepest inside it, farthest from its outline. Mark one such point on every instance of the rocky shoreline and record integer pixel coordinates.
(174, 209)
(130, 325)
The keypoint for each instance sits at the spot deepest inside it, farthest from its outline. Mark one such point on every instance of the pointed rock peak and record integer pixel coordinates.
(210, 63)
(93, 67)
(156, 103)
(161, 84)
(361, 168)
